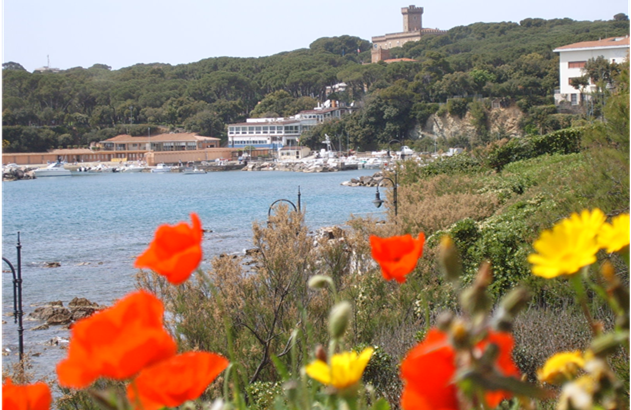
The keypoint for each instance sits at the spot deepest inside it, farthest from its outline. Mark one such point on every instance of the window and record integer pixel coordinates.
(574, 99)
(576, 64)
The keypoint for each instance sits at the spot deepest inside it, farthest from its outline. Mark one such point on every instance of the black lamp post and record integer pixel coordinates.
(378, 201)
(296, 209)
(17, 296)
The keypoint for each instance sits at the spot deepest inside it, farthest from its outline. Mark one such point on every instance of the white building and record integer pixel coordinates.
(276, 133)
(572, 59)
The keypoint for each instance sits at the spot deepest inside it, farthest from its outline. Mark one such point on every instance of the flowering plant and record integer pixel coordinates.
(462, 361)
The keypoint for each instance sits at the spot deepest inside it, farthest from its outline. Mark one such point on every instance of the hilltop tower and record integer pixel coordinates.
(412, 31)
(412, 18)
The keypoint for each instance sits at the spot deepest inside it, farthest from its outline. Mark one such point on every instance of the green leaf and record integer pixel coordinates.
(280, 367)
(381, 404)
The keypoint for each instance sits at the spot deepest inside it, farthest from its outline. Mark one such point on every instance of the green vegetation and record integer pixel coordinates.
(508, 61)
(493, 213)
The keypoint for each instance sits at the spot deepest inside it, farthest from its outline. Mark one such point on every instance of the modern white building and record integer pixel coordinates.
(572, 60)
(275, 133)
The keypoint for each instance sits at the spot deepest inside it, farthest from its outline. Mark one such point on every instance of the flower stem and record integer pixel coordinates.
(581, 297)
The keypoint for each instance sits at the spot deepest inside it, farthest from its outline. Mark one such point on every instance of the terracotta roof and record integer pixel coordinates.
(604, 43)
(72, 151)
(183, 136)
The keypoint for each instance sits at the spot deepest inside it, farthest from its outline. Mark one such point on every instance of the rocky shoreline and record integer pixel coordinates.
(365, 181)
(55, 314)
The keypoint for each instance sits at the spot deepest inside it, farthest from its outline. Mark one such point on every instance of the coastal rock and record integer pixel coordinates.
(82, 312)
(15, 174)
(330, 232)
(81, 302)
(41, 327)
(52, 264)
(62, 317)
(52, 315)
(81, 308)
(252, 252)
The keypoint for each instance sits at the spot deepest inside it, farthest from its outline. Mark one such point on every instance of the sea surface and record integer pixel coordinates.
(94, 226)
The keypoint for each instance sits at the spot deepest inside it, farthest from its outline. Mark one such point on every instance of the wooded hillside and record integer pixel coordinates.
(502, 60)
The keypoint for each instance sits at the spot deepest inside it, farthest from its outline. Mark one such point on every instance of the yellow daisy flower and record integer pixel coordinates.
(615, 236)
(568, 246)
(561, 367)
(346, 368)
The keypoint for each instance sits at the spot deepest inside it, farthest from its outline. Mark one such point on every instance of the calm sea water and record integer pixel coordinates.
(95, 226)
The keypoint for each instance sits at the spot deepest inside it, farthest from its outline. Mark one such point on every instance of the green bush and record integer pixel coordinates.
(457, 107)
(565, 141)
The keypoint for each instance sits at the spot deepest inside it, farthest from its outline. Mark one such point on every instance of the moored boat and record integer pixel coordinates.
(193, 171)
(160, 168)
(56, 169)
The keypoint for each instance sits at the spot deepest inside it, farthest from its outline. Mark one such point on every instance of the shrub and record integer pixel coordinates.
(457, 107)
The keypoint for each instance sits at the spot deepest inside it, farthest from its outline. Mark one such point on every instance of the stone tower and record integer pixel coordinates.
(412, 18)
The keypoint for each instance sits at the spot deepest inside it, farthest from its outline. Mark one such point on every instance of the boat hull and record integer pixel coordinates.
(52, 173)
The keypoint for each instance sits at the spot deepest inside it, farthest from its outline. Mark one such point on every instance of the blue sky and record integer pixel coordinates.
(121, 33)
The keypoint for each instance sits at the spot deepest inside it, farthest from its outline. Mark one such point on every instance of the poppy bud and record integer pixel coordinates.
(459, 333)
(320, 354)
(449, 258)
(608, 272)
(319, 282)
(509, 307)
(515, 301)
(474, 299)
(339, 319)
(608, 343)
(444, 320)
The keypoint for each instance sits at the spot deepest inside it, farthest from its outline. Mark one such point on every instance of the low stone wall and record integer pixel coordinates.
(298, 166)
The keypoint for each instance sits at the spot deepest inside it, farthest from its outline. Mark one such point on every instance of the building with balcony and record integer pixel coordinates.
(572, 60)
(275, 133)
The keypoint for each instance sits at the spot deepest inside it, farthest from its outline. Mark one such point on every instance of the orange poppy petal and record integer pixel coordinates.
(34, 396)
(504, 364)
(175, 251)
(428, 370)
(156, 386)
(398, 255)
(117, 342)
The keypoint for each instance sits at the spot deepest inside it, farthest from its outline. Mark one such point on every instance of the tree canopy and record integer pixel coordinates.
(501, 60)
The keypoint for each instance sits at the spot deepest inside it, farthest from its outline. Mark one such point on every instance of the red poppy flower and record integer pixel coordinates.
(34, 396)
(117, 342)
(397, 256)
(504, 364)
(429, 368)
(176, 380)
(175, 251)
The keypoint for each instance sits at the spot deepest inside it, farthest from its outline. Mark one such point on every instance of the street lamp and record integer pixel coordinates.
(17, 296)
(296, 209)
(378, 201)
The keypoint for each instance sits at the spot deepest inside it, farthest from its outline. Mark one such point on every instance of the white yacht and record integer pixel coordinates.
(133, 168)
(160, 168)
(56, 169)
(193, 171)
